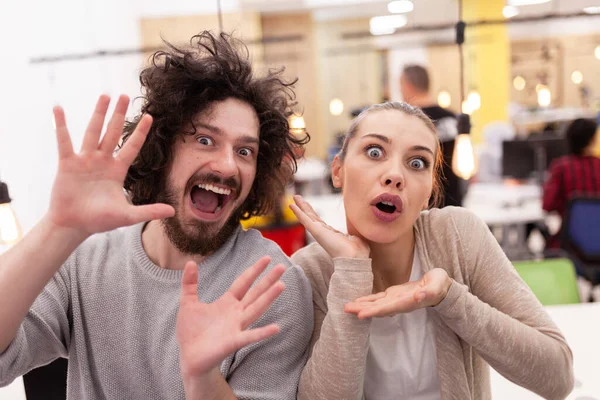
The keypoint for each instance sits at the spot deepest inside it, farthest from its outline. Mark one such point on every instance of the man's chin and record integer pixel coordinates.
(198, 237)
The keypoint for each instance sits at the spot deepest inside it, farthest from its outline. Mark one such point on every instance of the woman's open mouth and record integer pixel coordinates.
(386, 207)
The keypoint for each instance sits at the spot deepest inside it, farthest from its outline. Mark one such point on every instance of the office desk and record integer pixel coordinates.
(310, 177)
(580, 323)
(330, 208)
(509, 207)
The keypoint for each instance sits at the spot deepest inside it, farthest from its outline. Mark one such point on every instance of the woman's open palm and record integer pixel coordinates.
(87, 194)
(428, 291)
(336, 243)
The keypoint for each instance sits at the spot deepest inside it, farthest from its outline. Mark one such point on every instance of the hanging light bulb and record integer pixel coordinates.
(597, 52)
(464, 163)
(466, 107)
(297, 124)
(474, 100)
(336, 106)
(544, 96)
(444, 99)
(10, 230)
(577, 77)
(519, 82)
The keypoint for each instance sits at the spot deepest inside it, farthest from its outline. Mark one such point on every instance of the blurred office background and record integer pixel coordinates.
(531, 67)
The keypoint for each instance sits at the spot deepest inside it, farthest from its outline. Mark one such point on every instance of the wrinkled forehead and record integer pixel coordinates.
(400, 128)
(231, 116)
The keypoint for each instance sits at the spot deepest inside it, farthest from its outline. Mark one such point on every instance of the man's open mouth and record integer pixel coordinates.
(210, 198)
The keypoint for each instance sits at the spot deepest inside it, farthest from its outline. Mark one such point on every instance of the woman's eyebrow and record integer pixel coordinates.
(379, 136)
(422, 148)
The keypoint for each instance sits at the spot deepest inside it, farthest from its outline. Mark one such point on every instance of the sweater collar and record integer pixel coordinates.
(140, 257)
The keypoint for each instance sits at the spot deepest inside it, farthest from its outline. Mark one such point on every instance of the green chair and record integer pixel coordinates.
(553, 281)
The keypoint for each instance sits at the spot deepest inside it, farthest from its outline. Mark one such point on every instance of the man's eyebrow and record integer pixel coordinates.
(217, 131)
(209, 127)
(249, 139)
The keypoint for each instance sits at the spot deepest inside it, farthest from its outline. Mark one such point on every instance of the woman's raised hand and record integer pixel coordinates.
(336, 243)
(87, 195)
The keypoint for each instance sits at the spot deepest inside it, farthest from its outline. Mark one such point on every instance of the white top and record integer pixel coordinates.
(402, 363)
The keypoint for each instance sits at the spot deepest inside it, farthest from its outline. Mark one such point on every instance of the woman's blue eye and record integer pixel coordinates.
(417, 163)
(205, 140)
(374, 152)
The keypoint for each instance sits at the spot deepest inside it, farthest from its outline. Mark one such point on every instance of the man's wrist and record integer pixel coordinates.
(207, 385)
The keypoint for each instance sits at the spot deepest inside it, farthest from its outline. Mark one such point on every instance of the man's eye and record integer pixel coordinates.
(205, 140)
(245, 152)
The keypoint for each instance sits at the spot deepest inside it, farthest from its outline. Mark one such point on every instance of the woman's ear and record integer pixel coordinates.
(337, 172)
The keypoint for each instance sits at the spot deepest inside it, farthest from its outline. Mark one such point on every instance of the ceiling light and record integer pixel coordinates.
(526, 2)
(386, 24)
(544, 97)
(592, 10)
(597, 52)
(297, 124)
(510, 11)
(400, 6)
(466, 107)
(474, 100)
(444, 99)
(10, 230)
(577, 77)
(519, 82)
(336, 107)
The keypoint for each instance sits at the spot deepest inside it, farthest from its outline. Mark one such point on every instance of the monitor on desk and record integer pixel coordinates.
(530, 158)
(518, 159)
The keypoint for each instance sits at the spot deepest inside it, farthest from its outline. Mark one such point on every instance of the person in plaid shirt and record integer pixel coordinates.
(575, 174)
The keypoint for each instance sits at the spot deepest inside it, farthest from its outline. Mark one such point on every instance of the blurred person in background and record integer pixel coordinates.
(416, 303)
(414, 85)
(164, 308)
(577, 174)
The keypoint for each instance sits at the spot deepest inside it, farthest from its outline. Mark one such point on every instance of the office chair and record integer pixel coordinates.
(552, 281)
(48, 382)
(580, 237)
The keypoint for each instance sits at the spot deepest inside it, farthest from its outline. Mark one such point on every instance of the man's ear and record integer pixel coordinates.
(337, 172)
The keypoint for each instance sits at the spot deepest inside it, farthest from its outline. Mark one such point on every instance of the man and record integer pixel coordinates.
(414, 85)
(120, 305)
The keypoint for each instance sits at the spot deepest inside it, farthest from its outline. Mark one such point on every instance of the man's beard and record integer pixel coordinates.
(195, 237)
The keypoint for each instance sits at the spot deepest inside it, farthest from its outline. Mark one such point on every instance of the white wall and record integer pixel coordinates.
(28, 158)
(397, 59)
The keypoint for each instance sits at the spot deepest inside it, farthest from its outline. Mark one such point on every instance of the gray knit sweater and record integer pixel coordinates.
(112, 312)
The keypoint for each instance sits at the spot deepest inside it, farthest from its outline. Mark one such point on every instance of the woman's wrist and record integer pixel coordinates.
(444, 292)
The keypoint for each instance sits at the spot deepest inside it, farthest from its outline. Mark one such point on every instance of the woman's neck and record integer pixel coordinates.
(392, 262)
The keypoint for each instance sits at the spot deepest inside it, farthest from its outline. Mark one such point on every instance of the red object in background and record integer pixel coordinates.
(290, 238)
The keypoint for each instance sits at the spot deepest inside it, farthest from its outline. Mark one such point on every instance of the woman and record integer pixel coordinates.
(454, 300)
(576, 174)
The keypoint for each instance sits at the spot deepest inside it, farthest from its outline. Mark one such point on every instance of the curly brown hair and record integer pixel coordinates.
(180, 83)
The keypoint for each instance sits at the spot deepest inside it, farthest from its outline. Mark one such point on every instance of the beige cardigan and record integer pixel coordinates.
(489, 316)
